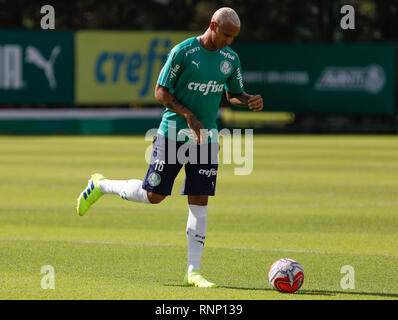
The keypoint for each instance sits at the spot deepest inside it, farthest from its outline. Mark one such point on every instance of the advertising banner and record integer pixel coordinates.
(335, 78)
(36, 67)
(121, 66)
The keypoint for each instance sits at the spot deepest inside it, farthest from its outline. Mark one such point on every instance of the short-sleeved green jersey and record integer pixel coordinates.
(197, 78)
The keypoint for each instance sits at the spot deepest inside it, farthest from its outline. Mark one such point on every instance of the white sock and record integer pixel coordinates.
(196, 234)
(126, 189)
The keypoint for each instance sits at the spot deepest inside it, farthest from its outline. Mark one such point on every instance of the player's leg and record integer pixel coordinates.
(161, 174)
(196, 230)
(196, 234)
(98, 185)
(131, 190)
(155, 198)
(153, 189)
(126, 189)
(198, 200)
(199, 185)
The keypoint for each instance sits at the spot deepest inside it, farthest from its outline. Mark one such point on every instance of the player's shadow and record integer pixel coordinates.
(243, 288)
(321, 292)
(307, 292)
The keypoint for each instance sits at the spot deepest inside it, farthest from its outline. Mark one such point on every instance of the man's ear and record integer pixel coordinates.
(213, 25)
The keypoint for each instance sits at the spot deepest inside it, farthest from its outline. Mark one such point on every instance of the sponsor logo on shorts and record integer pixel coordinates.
(154, 179)
(208, 173)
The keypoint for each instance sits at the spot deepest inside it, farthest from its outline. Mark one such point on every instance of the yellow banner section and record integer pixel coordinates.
(122, 66)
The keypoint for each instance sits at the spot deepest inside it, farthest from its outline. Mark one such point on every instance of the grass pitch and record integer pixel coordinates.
(325, 201)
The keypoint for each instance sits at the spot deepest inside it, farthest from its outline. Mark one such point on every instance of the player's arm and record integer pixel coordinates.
(253, 102)
(163, 95)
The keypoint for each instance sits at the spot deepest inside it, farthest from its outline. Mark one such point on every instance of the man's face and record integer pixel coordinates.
(223, 34)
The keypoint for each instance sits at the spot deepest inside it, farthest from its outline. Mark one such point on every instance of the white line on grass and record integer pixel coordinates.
(159, 245)
(341, 205)
(216, 207)
(175, 245)
(314, 205)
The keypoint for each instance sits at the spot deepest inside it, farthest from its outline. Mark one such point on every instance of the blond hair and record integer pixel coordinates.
(224, 15)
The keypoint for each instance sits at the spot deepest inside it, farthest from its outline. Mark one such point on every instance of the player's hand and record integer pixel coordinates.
(255, 103)
(197, 129)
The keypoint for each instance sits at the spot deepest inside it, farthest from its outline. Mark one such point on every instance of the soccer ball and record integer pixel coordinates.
(286, 275)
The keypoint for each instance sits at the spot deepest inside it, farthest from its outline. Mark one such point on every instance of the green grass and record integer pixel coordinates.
(325, 201)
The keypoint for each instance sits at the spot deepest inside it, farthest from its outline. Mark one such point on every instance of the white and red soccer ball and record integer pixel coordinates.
(286, 275)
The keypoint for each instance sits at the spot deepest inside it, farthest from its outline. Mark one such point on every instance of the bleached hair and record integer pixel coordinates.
(226, 14)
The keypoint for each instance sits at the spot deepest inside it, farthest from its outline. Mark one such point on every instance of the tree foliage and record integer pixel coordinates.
(262, 20)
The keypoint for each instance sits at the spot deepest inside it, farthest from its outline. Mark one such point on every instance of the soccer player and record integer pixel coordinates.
(190, 87)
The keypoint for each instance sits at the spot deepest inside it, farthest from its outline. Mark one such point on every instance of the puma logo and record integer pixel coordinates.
(34, 56)
(196, 64)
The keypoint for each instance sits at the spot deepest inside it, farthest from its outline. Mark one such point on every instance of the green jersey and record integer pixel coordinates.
(197, 78)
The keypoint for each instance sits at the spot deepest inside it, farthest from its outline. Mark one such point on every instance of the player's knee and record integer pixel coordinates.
(155, 198)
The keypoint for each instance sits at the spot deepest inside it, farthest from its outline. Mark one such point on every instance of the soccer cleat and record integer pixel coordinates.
(194, 279)
(90, 194)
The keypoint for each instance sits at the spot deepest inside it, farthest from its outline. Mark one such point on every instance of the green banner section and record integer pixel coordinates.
(111, 67)
(36, 67)
(335, 78)
(121, 67)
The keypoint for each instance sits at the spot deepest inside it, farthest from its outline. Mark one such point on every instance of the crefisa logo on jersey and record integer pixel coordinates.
(211, 86)
(225, 67)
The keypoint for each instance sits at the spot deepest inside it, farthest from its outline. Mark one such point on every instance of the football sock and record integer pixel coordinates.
(127, 189)
(196, 234)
